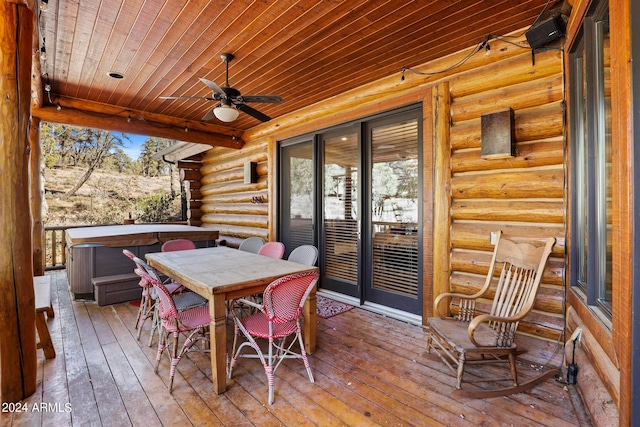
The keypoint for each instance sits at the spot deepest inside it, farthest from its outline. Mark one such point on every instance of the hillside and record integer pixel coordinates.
(107, 197)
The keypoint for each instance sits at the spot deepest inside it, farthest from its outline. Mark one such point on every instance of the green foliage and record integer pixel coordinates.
(119, 162)
(103, 199)
(64, 145)
(148, 165)
(155, 208)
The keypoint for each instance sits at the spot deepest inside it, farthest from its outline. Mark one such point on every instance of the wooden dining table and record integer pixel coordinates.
(220, 274)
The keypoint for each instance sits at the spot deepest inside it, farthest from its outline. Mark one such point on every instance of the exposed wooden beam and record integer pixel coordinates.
(110, 117)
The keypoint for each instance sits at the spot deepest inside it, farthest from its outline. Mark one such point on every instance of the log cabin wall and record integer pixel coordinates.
(237, 210)
(472, 197)
(190, 178)
(521, 195)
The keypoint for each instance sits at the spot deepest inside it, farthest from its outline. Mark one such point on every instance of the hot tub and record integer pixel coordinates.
(95, 254)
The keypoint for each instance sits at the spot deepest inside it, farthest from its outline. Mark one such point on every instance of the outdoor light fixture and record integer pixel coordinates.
(44, 5)
(43, 53)
(226, 113)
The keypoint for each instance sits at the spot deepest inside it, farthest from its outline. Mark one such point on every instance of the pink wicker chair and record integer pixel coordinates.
(147, 302)
(177, 245)
(194, 322)
(278, 318)
(272, 249)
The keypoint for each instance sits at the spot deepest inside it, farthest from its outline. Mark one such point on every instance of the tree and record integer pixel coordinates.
(150, 166)
(58, 143)
(92, 147)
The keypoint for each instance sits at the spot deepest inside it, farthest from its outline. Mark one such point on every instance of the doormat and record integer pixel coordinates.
(327, 307)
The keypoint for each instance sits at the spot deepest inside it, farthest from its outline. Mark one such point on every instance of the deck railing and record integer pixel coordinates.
(55, 248)
(55, 256)
(55, 245)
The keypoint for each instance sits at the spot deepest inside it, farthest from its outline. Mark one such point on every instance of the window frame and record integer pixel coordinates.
(590, 266)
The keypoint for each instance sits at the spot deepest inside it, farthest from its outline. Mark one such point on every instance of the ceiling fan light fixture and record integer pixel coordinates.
(226, 113)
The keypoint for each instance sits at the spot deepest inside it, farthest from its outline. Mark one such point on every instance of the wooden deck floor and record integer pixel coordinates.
(369, 370)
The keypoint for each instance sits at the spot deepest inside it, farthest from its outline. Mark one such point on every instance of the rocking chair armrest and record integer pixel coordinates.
(441, 297)
(489, 318)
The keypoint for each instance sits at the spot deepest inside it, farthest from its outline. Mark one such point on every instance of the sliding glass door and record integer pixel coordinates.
(362, 183)
(340, 239)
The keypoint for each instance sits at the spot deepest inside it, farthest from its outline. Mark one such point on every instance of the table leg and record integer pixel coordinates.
(218, 339)
(310, 323)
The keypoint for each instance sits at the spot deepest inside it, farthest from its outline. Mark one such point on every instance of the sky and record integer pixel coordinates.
(132, 148)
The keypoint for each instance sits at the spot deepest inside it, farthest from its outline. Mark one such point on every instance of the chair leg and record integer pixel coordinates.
(174, 360)
(429, 343)
(161, 346)
(268, 369)
(270, 379)
(155, 322)
(143, 314)
(304, 358)
(514, 371)
(234, 356)
(139, 315)
(461, 360)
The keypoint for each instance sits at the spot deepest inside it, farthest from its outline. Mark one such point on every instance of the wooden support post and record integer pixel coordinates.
(37, 196)
(441, 189)
(427, 206)
(17, 303)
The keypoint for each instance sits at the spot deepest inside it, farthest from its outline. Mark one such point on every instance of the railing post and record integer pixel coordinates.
(63, 246)
(54, 245)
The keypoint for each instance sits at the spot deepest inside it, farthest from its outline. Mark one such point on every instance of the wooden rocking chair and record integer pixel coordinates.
(489, 337)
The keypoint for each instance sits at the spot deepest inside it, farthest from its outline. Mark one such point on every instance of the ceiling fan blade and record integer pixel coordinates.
(213, 86)
(271, 99)
(206, 98)
(209, 116)
(253, 112)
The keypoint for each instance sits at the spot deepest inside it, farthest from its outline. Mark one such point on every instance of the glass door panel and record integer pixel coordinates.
(340, 213)
(394, 216)
(297, 196)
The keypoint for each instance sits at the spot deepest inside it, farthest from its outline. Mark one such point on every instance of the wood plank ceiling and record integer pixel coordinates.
(305, 51)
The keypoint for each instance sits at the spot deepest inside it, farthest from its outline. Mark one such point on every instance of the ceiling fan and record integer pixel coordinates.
(231, 101)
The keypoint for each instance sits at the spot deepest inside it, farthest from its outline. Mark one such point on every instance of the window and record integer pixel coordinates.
(590, 131)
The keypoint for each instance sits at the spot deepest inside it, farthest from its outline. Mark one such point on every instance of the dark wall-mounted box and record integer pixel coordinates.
(545, 31)
(498, 135)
